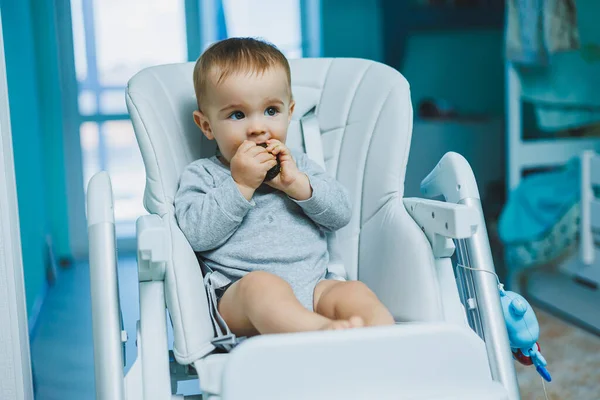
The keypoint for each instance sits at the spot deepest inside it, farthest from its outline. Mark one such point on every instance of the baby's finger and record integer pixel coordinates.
(245, 146)
(263, 157)
(281, 149)
(283, 157)
(273, 148)
(254, 151)
(269, 164)
(272, 143)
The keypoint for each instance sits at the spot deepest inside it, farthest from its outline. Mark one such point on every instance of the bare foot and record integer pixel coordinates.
(353, 322)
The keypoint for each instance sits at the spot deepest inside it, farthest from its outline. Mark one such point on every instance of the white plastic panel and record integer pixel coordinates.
(409, 361)
(456, 221)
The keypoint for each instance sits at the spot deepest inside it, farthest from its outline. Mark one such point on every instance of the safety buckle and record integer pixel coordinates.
(226, 342)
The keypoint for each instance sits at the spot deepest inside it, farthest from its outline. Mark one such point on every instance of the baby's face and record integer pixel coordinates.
(247, 106)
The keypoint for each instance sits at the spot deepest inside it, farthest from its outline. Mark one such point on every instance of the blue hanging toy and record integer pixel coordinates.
(523, 331)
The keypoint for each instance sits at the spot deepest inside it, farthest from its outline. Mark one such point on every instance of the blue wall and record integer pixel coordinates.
(50, 102)
(352, 28)
(34, 98)
(27, 142)
(464, 68)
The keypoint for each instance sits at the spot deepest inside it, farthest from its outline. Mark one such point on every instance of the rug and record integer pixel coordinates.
(573, 357)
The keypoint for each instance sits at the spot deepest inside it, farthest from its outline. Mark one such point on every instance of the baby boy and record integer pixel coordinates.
(265, 234)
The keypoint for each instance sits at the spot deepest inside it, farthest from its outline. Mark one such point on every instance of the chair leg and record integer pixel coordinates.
(152, 342)
(134, 385)
(134, 381)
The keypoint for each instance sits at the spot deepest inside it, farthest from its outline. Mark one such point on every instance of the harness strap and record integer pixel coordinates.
(213, 280)
(313, 145)
(311, 133)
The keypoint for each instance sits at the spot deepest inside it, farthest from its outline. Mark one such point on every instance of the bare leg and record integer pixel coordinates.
(345, 300)
(262, 303)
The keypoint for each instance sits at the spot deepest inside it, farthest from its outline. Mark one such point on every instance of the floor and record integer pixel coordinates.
(573, 357)
(62, 355)
(62, 351)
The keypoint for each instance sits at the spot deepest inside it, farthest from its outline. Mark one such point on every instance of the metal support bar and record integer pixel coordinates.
(488, 301)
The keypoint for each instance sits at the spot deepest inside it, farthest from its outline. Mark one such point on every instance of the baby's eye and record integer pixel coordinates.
(271, 111)
(236, 115)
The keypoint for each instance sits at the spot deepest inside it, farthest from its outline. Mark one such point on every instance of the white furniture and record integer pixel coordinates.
(578, 277)
(399, 247)
(524, 154)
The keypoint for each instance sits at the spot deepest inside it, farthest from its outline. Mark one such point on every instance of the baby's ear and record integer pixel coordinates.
(291, 111)
(204, 125)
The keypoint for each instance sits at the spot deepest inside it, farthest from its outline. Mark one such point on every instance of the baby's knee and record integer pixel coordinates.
(257, 282)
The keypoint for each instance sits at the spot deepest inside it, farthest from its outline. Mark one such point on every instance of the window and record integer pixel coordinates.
(112, 41)
(277, 21)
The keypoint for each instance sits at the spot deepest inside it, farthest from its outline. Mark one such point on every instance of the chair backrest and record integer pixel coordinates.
(365, 116)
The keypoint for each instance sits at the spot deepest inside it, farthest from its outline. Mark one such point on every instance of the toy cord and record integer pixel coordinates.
(501, 287)
(544, 386)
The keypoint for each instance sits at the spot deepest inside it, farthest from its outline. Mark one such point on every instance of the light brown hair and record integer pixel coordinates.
(235, 55)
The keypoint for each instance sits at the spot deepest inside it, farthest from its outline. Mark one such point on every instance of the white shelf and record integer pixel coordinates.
(528, 154)
(456, 122)
(539, 153)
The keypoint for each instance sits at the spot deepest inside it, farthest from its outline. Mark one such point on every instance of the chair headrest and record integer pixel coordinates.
(161, 102)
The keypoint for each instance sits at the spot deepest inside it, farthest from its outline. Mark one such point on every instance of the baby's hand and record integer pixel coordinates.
(289, 180)
(289, 171)
(273, 172)
(249, 166)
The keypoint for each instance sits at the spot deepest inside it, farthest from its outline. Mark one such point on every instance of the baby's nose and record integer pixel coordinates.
(258, 131)
(259, 134)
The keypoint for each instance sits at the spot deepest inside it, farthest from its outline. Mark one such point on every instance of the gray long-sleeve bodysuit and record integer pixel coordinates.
(272, 232)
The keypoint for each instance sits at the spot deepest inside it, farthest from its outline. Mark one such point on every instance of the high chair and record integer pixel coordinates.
(355, 117)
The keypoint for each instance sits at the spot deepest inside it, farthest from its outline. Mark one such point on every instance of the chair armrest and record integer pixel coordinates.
(452, 178)
(152, 240)
(441, 222)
